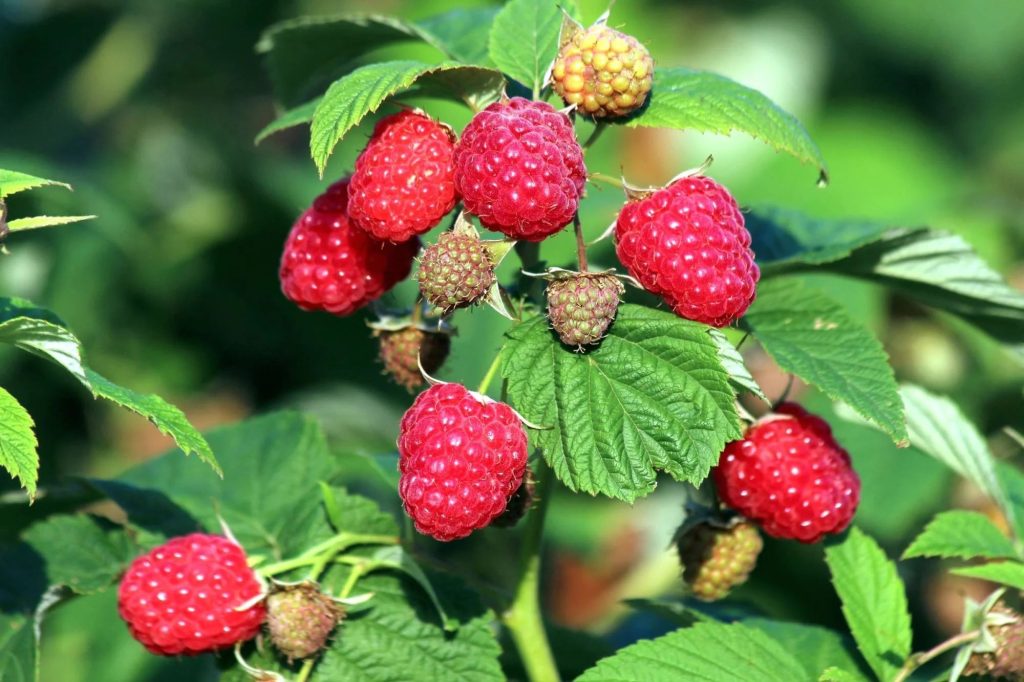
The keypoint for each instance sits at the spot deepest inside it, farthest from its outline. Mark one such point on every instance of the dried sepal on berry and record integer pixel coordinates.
(300, 619)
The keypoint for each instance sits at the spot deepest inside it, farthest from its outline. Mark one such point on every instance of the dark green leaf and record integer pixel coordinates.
(80, 553)
(963, 534)
(18, 655)
(524, 39)
(710, 652)
(19, 450)
(352, 97)
(874, 601)
(653, 396)
(706, 102)
(462, 33)
(813, 337)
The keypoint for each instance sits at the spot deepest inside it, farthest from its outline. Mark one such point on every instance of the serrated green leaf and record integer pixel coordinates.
(397, 558)
(816, 648)
(936, 268)
(167, 418)
(938, 427)
(12, 182)
(79, 552)
(352, 97)
(42, 333)
(963, 534)
(732, 361)
(652, 396)
(269, 496)
(840, 675)
(1009, 573)
(710, 652)
(687, 99)
(813, 337)
(874, 601)
(19, 449)
(524, 39)
(462, 33)
(297, 116)
(18, 649)
(45, 221)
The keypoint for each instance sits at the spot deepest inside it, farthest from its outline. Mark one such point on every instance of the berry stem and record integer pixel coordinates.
(915, 661)
(581, 245)
(307, 668)
(330, 547)
(523, 618)
(607, 179)
(598, 130)
(485, 383)
(529, 259)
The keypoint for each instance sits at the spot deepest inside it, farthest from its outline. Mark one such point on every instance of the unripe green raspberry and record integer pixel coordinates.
(604, 72)
(456, 271)
(582, 306)
(717, 559)
(300, 618)
(400, 350)
(1007, 661)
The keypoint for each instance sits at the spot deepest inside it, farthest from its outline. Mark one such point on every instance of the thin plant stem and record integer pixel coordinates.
(581, 245)
(485, 383)
(607, 179)
(915, 661)
(328, 547)
(307, 668)
(523, 618)
(598, 130)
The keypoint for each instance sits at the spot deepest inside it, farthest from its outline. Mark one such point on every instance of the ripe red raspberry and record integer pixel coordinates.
(404, 181)
(329, 265)
(790, 475)
(717, 559)
(520, 169)
(688, 244)
(461, 458)
(183, 596)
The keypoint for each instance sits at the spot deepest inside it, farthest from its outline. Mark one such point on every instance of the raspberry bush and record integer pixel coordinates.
(626, 325)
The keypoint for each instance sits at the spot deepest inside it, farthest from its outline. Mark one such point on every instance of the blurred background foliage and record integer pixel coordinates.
(149, 108)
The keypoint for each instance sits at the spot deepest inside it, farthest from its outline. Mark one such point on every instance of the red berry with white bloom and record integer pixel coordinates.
(330, 265)
(461, 458)
(688, 244)
(791, 476)
(184, 597)
(404, 180)
(519, 168)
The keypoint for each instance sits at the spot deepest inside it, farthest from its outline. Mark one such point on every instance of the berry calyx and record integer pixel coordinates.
(404, 180)
(1005, 660)
(582, 306)
(519, 168)
(184, 597)
(300, 619)
(604, 72)
(403, 350)
(688, 243)
(461, 457)
(791, 476)
(456, 272)
(716, 558)
(330, 265)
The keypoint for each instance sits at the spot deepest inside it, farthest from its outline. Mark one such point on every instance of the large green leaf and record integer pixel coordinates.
(524, 39)
(80, 552)
(874, 601)
(816, 648)
(813, 337)
(352, 97)
(710, 652)
(936, 268)
(653, 396)
(1009, 573)
(963, 534)
(18, 654)
(733, 363)
(19, 450)
(706, 102)
(462, 33)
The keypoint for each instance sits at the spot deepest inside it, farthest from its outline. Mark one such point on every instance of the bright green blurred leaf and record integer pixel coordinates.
(816, 648)
(19, 450)
(12, 182)
(1009, 573)
(18, 655)
(963, 534)
(45, 221)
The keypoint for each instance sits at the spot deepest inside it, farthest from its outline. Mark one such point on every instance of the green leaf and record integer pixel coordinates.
(652, 396)
(293, 117)
(167, 418)
(352, 97)
(12, 182)
(1009, 573)
(18, 649)
(939, 428)
(687, 99)
(19, 449)
(816, 648)
(397, 558)
(42, 333)
(269, 496)
(935, 268)
(710, 652)
(524, 40)
(840, 675)
(45, 221)
(963, 534)
(80, 552)
(874, 601)
(810, 335)
(462, 33)
(732, 361)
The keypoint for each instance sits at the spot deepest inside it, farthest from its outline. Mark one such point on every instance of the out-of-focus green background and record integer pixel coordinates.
(150, 107)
